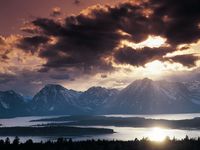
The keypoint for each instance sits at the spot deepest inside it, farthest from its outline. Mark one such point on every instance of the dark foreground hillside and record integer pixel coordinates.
(61, 144)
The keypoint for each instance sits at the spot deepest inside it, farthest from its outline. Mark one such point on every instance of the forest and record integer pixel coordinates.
(69, 144)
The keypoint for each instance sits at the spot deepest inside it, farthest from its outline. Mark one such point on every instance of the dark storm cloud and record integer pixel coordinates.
(88, 40)
(30, 28)
(181, 19)
(128, 55)
(186, 60)
(49, 26)
(85, 41)
(145, 55)
(32, 43)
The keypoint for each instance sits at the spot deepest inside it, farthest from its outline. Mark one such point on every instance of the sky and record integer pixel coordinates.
(109, 43)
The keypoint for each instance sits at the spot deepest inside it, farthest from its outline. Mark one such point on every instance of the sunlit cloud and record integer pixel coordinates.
(151, 41)
(186, 49)
(16, 57)
(159, 69)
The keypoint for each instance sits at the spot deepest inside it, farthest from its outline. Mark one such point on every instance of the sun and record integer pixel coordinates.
(155, 68)
(157, 134)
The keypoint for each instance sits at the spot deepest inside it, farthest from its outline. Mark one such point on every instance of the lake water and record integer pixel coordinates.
(162, 116)
(121, 133)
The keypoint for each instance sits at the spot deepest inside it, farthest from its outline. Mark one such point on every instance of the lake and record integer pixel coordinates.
(155, 133)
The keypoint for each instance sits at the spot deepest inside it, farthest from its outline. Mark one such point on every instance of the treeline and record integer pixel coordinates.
(68, 144)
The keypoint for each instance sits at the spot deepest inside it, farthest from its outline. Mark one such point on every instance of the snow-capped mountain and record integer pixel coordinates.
(96, 97)
(140, 97)
(148, 96)
(55, 99)
(194, 88)
(193, 85)
(12, 104)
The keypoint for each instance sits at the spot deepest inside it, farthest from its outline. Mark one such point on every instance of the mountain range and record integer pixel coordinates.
(140, 97)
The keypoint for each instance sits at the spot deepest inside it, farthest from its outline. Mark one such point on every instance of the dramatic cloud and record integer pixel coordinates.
(140, 57)
(17, 66)
(32, 43)
(90, 39)
(179, 20)
(49, 26)
(186, 60)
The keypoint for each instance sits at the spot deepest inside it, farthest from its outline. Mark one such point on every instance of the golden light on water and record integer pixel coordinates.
(157, 134)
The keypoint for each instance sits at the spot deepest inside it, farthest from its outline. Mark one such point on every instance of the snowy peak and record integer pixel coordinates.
(53, 87)
(10, 98)
(194, 88)
(96, 97)
(193, 85)
(11, 103)
(141, 96)
(55, 98)
(54, 92)
(148, 96)
(100, 91)
(140, 84)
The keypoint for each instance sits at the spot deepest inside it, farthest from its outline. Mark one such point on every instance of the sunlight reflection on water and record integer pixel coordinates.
(121, 133)
(159, 134)
(161, 116)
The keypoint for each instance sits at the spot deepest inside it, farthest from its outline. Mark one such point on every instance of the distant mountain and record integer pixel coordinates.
(95, 98)
(148, 96)
(12, 104)
(55, 99)
(194, 88)
(140, 97)
(27, 99)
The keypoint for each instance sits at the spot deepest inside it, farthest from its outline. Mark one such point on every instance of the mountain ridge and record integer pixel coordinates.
(139, 97)
(148, 96)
